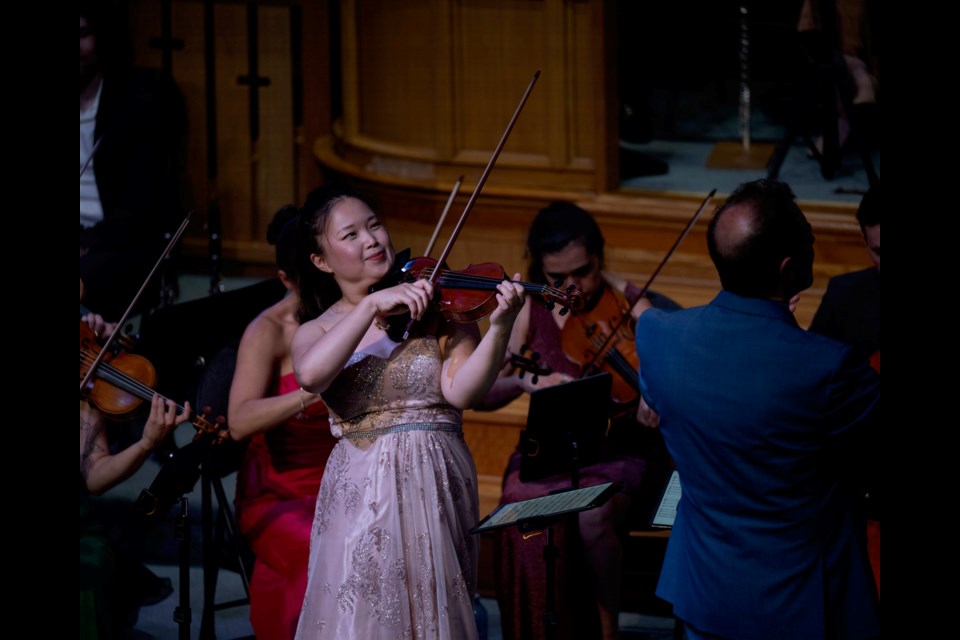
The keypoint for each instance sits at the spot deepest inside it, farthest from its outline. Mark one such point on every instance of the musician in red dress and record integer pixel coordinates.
(290, 441)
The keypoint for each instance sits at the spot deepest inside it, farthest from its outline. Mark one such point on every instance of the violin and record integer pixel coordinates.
(117, 371)
(597, 340)
(528, 361)
(118, 390)
(470, 294)
(122, 381)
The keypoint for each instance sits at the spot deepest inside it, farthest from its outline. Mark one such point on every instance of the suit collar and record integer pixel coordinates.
(754, 306)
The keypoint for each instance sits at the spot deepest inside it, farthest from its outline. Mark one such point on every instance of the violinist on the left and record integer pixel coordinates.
(104, 598)
(99, 469)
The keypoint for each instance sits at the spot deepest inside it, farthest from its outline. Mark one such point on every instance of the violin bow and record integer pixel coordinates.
(443, 216)
(476, 191)
(86, 163)
(653, 276)
(126, 314)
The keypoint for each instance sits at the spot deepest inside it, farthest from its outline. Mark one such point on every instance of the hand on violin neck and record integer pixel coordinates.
(162, 420)
(510, 299)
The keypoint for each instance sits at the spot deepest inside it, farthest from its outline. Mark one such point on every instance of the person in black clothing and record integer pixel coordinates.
(850, 309)
(850, 312)
(132, 152)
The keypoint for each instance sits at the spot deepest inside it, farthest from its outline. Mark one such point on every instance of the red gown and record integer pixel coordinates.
(277, 487)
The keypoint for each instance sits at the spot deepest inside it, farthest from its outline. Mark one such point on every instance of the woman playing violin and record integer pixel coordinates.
(103, 600)
(565, 245)
(392, 555)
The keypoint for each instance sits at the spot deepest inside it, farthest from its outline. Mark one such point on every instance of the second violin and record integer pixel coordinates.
(598, 339)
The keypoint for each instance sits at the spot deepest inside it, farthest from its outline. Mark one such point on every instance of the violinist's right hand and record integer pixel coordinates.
(414, 297)
(163, 418)
(101, 327)
(647, 416)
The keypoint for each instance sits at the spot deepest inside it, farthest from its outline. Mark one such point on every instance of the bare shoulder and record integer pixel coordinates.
(266, 332)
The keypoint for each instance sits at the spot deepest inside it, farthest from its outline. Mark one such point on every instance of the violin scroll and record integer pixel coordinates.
(529, 361)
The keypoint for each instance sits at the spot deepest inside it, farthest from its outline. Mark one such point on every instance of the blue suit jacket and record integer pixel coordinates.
(757, 414)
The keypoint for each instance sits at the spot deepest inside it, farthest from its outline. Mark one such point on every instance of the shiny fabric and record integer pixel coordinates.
(277, 487)
(391, 556)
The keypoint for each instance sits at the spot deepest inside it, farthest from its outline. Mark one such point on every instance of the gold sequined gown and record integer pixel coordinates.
(390, 553)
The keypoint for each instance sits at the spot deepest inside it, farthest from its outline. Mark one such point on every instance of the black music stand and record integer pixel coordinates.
(566, 427)
(542, 513)
(177, 477)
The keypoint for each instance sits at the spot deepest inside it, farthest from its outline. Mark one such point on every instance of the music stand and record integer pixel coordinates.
(177, 477)
(541, 513)
(566, 426)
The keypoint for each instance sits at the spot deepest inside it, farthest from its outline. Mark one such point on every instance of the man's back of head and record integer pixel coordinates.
(761, 243)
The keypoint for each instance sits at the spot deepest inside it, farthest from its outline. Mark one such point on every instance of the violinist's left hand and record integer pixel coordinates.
(101, 327)
(161, 421)
(510, 298)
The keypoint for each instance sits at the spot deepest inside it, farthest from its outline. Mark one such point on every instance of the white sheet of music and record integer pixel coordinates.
(567, 501)
(667, 509)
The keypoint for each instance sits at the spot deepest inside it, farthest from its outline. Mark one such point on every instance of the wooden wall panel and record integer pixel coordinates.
(275, 153)
(498, 47)
(585, 85)
(254, 176)
(431, 106)
(235, 177)
(396, 86)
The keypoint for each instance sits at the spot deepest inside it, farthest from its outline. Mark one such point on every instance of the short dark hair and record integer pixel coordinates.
(557, 225)
(868, 214)
(750, 265)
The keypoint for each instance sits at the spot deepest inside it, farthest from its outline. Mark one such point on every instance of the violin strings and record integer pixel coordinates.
(623, 367)
(122, 379)
(462, 279)
(127, 383)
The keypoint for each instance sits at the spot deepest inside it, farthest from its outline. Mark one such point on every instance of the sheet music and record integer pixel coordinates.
(667, 509)
(568, 501)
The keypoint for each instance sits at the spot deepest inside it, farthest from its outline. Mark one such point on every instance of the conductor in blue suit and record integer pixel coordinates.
(759, 416)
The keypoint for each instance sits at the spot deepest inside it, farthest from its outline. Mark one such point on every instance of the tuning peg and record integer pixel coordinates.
(548, 305)
(564, 311)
